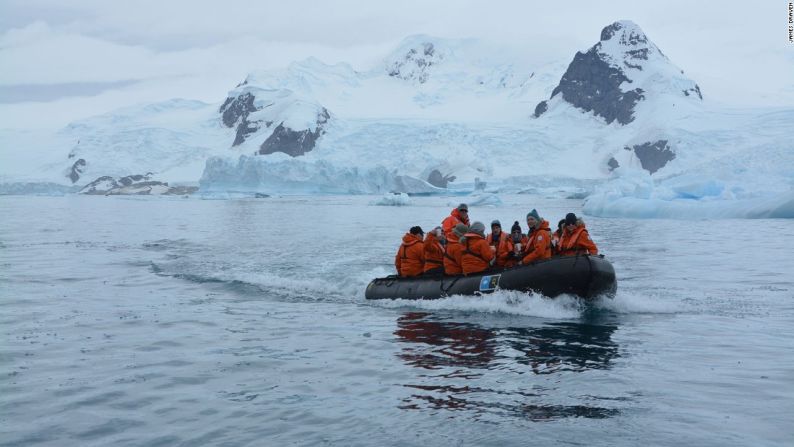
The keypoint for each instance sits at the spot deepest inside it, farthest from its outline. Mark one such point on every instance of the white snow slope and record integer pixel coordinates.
(461, 107)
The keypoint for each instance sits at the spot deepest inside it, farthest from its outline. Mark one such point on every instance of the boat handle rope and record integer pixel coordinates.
(450, 284)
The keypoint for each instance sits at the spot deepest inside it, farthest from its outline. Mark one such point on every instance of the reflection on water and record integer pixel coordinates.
(450, 344)
(563, 346)
(483, 370)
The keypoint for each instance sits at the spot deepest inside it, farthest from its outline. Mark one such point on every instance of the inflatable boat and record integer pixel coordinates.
(583, 275)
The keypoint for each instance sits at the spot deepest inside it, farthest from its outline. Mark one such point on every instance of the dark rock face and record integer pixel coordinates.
(612, 164)
(181, 190)
(100, 186)
(415, 63)
(76, 170)
(235, 108)
(140, 189)
(641, 53)
(244, 129)
(591, 84)
(133, 185)
(437, 179)
(609, 31)
(593, 79)
(695, 91)
(292, 142)
(236, 111)
(653, 155)
(131, 179)
(541, 108)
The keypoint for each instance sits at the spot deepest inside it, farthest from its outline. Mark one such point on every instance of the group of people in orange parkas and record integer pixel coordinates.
(460, 248)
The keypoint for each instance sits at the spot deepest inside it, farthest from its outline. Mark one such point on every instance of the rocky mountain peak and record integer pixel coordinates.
(286, 121)
(621, 70)
(624, 43)
(413, 59)
(628, 32)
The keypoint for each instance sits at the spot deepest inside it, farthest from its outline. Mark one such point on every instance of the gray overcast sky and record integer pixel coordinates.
(144, 50)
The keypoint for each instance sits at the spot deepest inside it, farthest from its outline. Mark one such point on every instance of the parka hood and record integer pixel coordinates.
(410, 239)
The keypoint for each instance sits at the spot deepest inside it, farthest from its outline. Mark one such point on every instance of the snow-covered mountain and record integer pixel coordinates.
(437, 114)
(625, 78)
(418, 119)
(458, 108)
(172, 139)
(285, 121)
(623, 69)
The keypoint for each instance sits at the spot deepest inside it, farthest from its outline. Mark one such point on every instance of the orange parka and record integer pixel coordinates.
(452, 259)
(502, 252)
(477, 254)
(577, 242)
(539, 245)
(513, 258)
(449, 223)
(410, 258)
(434, 252)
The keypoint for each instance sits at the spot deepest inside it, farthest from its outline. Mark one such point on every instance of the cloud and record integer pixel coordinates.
(179, 24)
(42, 55)
(50, 92)
(39, 54)
(154, 50)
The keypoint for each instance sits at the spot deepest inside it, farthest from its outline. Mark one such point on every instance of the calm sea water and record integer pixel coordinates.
(170, 321)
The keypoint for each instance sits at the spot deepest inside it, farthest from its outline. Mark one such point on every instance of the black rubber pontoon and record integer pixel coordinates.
(584, 275)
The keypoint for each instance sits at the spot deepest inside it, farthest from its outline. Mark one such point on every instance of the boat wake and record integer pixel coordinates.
(509, 302)
(340, 284)
(562, 307)
(248, 285)
(628, 302)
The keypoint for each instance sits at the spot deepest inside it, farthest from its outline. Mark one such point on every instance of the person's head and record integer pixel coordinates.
(460, 229)
(516, 228)
(477, 227)
(438, 232)
(570, 221)
(417, 231)
(561, 225)
(463, 209)
(533, 218)
(515, 232)
(496, 227)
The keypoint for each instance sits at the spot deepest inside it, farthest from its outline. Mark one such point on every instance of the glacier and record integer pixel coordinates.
(744, 169)
(441, 116)
(287, 175)
(634, 194)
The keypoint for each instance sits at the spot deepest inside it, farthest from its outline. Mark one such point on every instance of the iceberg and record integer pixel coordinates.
(393, 199)
(634, 194)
